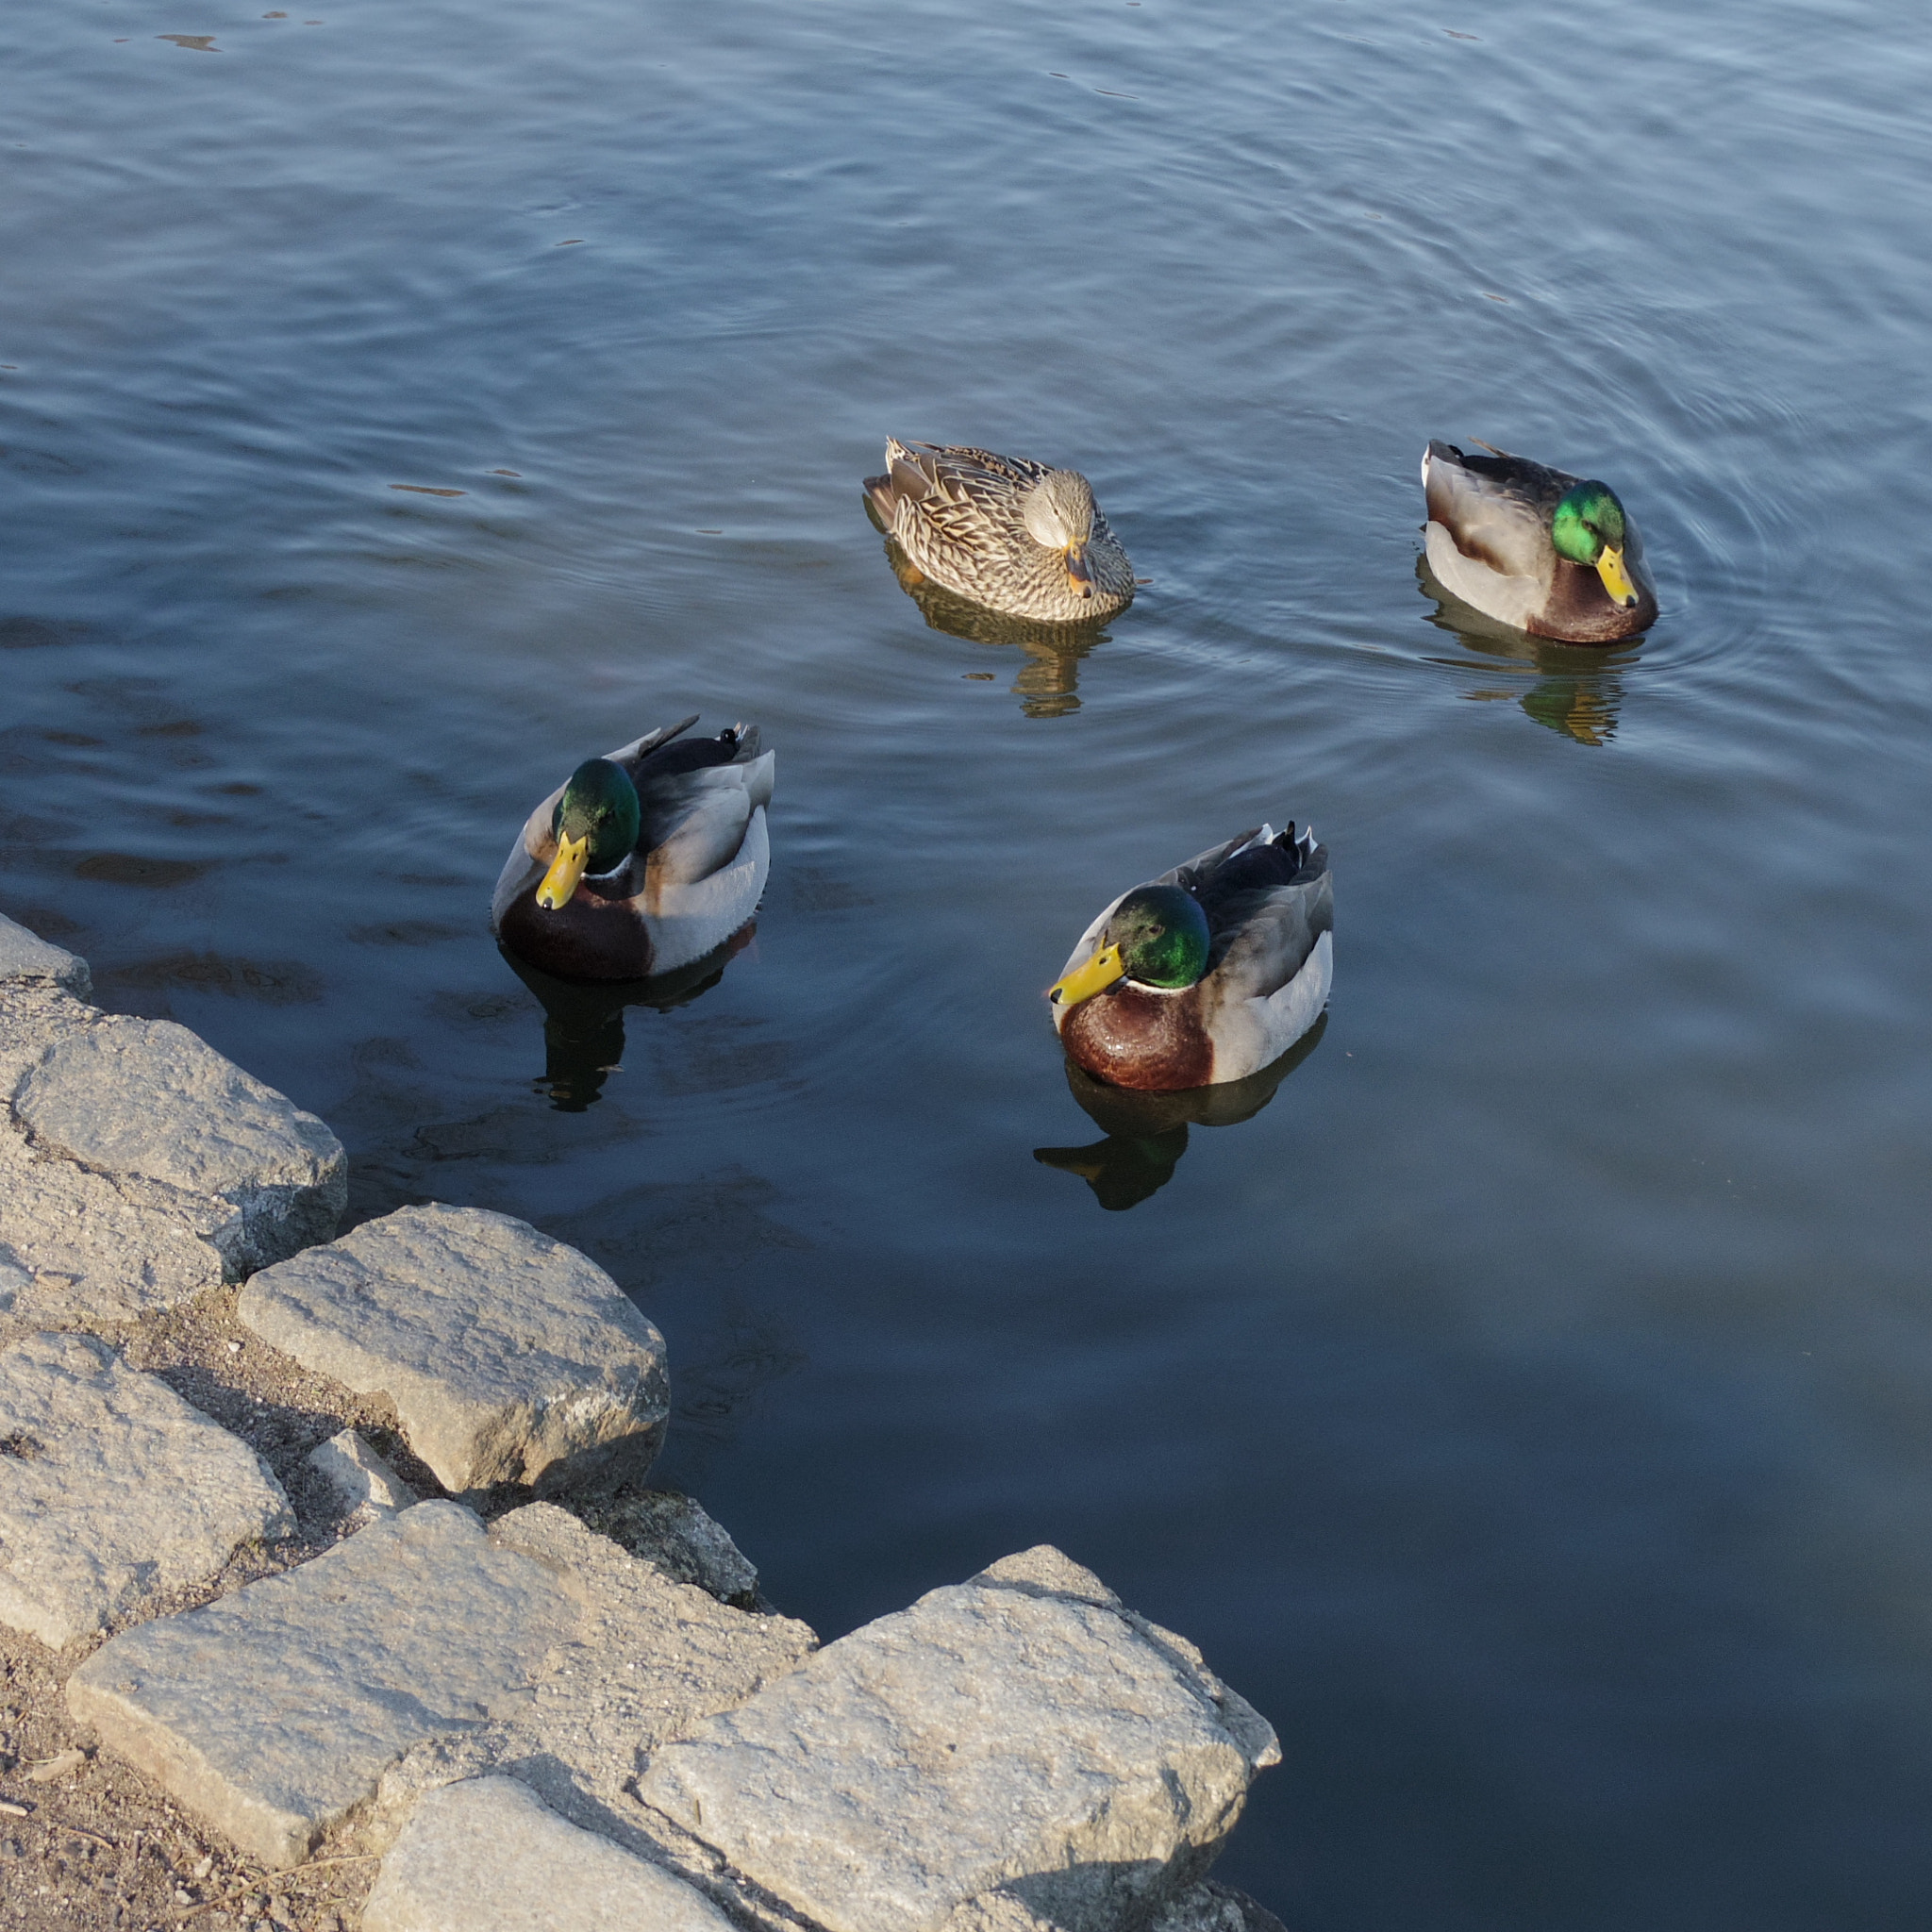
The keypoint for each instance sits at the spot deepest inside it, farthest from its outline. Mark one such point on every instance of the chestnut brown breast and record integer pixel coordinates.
(594, 937)
(1149, 1040)
(1581, 611)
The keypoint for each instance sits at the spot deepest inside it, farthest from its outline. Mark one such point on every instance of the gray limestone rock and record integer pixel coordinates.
(1022, 1732)
(1215, 1909)
(274, 1713)
(488, 1856)
(24, 954)
(111, 1487)
(95, 1246)
(360, 1476)
(14, 1277)
(510, 1359)
(90, 1247)
(148, 1100)
(648, 1659)
(417, 1651)
(35, 1016)
(672, 1532)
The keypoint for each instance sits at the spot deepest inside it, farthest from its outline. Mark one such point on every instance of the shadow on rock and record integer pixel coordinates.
(583, 1020)
(1578, 687)
(1047, 683)
(1147, 1133)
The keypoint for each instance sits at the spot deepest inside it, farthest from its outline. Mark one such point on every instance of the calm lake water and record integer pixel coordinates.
(1529, 1408)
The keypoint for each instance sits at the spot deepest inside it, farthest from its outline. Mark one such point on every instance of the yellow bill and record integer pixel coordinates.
(1083, 982)
(1079, 571)
(561, 882)
(1609, 566)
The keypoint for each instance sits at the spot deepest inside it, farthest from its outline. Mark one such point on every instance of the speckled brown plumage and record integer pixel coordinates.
(958, 514)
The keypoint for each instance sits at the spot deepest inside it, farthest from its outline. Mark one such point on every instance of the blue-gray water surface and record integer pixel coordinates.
(1527, 1406)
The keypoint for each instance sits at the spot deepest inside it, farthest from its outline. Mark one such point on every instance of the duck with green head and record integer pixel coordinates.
(1208, 973)
(1554, 554)
(642, 861)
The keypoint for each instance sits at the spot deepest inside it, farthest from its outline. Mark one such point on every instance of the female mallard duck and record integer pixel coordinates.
(1007, 533)
(1208, 973)
(1551, 554)
(642, 861)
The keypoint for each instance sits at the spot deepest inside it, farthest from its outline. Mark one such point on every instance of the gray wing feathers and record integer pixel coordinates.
(1488, 526)
(1276, 939)
(694, 822)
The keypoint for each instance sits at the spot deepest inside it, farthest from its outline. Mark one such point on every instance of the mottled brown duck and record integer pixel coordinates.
(1004, 531)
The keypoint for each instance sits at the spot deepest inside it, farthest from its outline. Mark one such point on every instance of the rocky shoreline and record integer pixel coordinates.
(332, 1596)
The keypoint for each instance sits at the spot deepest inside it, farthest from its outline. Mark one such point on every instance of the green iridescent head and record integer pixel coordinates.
(1587, 527)
(595, 825)
(1157, 935)
(1587, 518)
(1162, 934)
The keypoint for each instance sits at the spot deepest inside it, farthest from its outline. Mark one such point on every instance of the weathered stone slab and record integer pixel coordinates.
(418, 1651)
(14, 1277)
(648, 1659)
(360, 1476)
(24, 954)
(511, 1357)
(1023, 1731)
(672, 1531)
(35, 1016)
(85, 1250)
(1204, 1908)
(148, 1099)
(274, 1713)
(112, 1486)
(1216, 1908)
(488, 1856)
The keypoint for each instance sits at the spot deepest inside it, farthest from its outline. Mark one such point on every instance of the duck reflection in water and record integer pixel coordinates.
(1578, 687)
(583, 1020)
(1047, 684)
(1147, 1133)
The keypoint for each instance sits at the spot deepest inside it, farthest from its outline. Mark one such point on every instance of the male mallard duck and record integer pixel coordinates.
(641, 862)
(1208, 973)
(1007, 533)
(1551, 554)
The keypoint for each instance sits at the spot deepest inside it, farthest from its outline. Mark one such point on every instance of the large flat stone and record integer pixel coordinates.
(1020, 1732)
(92, 1246)
(1203, 1907)
(420, 1651)
(672, 1532)
(510, 1359)
(650, 1659)
(1215, 1909)
(488, 1856)
(111, 1487)
(24, 954)
(88, 1247)
(149, 1100)
(274, 1713)
(35, 1016)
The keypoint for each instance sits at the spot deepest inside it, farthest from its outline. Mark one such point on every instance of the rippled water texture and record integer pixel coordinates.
(1526, 1404)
